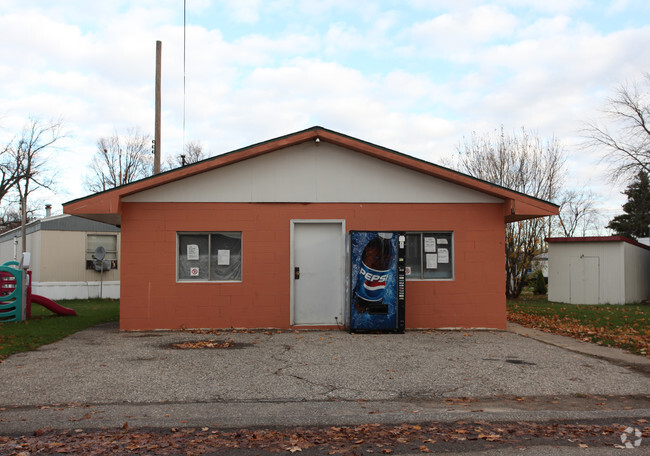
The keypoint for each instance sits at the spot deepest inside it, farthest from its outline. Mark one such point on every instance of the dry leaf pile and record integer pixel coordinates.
(628, 337)
(358, 440)
(203, 344)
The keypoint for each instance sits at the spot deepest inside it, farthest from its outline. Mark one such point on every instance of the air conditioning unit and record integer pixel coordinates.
(99, 261)
(102, 265)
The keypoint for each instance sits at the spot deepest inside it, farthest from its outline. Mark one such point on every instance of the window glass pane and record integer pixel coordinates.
(413, 257)
(437, 255)
(108, 241)
(225, 256)
(193, 257)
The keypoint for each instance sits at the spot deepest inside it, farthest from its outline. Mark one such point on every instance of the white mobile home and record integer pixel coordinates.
(62, 249)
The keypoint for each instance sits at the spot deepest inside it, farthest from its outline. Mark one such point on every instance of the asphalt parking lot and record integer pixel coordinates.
(102, 377)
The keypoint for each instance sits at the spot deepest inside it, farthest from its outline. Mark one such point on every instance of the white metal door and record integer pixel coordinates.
(317, 275)
(584, 280)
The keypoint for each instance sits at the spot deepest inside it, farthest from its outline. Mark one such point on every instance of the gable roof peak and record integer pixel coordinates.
(519, 206)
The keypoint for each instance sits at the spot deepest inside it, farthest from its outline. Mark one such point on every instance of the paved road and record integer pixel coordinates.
(102, 377)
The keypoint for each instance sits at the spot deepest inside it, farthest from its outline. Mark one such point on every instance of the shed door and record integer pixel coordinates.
(584, 280)
(318, 255)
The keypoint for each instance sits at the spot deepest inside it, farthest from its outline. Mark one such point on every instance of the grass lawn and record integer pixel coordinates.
(626, 327)
(46, 327)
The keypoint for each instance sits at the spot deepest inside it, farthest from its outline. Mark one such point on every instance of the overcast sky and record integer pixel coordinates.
(412, 75)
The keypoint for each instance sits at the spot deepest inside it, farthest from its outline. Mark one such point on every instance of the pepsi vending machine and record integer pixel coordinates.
(377, 281)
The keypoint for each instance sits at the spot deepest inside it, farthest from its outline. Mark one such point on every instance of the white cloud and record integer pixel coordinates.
(549, 6)
(415, 80)
(326, 7)
(341, 37)
(546, 27)
(54, 44)
(461, 6)
(274, 101)
(457, 33)
(244, 11)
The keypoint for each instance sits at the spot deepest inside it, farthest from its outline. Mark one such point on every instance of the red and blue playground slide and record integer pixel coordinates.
(11, 306)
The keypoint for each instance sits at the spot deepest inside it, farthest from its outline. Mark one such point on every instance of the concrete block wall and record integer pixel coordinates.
(151, 297)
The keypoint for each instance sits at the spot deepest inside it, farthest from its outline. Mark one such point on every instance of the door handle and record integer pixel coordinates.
(296, 273)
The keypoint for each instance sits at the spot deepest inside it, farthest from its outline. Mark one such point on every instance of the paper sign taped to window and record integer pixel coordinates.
(194, 272)
(443, 256)
(407, 270)
(223, 257)
(432, 261)
(429, 244)
(442, 241)
(192, 252)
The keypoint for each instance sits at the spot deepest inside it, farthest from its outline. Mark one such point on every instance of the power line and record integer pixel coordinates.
(184, 41)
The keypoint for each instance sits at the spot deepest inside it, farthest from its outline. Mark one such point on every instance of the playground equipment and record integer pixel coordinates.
(11, 299)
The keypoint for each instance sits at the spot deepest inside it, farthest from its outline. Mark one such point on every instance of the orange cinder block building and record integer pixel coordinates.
(216, 244)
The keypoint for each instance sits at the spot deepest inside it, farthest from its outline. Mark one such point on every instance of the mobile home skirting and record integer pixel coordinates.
(78, 290)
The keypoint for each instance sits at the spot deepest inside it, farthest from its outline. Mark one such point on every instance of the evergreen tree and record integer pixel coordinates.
(634, 223)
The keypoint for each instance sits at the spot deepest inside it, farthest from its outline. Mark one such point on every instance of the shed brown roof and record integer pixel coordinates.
(597, 239)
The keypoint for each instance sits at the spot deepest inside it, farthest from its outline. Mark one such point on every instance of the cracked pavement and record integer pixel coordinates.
(104, 377)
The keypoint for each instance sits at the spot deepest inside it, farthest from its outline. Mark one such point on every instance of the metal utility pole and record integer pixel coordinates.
(156, 145)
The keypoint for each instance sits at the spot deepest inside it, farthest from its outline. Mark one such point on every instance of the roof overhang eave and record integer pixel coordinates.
(111, 219)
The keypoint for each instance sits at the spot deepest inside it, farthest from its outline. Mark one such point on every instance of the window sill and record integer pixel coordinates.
(208, 281)
(429, 280)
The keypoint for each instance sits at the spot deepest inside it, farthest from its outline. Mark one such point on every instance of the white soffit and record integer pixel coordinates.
(307, 172)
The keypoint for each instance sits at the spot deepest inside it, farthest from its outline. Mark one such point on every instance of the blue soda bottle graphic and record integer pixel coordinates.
(374, 272)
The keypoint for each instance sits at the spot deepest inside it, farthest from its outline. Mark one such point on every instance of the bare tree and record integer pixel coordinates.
(192, 153)
(9, 168)
(578, 214)
(524, 163)
(11, 214)
(120, 160)
(625, 139)
(10, 217)
(32, 163)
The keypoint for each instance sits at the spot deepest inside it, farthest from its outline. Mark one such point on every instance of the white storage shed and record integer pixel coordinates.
(598, 270)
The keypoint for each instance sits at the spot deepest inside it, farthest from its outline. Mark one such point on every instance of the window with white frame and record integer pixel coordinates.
(430, 255)
(108, 241)
(215, 257)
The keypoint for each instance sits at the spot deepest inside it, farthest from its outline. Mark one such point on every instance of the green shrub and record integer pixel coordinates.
(540, 284)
